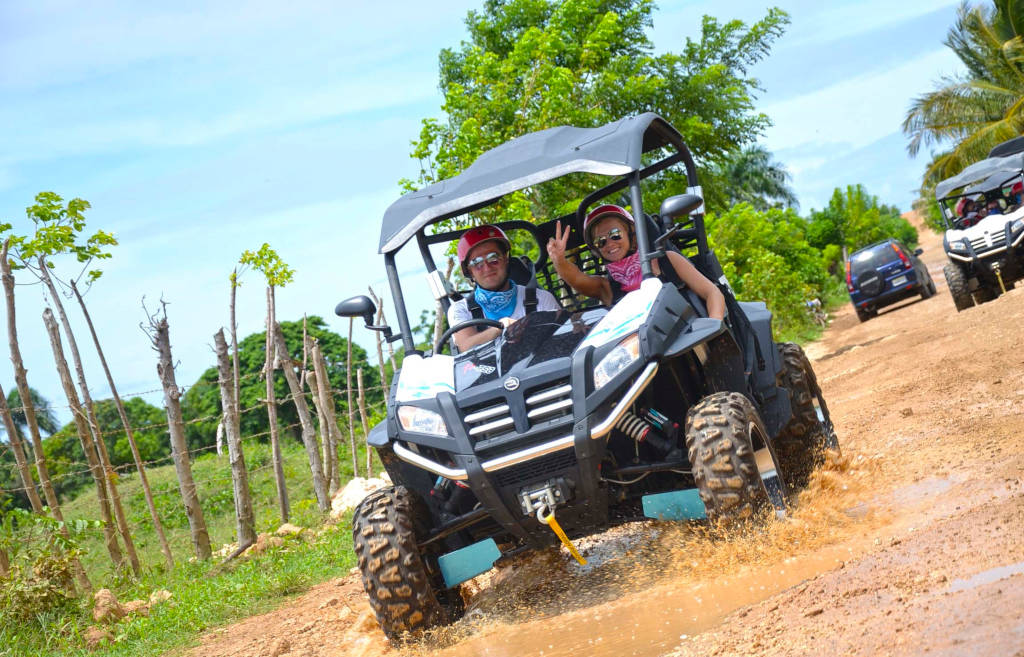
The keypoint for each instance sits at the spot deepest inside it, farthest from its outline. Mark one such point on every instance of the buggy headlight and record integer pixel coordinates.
(1017, 226)
(616, 360)
(422, 420)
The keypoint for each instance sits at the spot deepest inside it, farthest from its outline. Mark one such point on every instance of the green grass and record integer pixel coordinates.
(204, 595)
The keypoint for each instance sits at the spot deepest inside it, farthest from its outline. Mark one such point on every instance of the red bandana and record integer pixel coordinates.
(627, 272)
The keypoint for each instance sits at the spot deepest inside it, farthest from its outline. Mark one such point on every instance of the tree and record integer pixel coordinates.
(854, 218)
(277, 274)
(751, 176)
(973, 111)
(59, 230)
(766, 256)
(535, 64)
(159, 333)
(45, 416)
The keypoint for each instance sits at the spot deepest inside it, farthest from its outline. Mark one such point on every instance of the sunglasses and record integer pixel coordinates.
(615, 234)
(491, 258)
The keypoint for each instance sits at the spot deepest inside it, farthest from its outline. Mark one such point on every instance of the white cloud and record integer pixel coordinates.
(856, 111)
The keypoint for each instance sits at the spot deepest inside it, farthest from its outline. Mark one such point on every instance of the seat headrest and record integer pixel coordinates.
(521, 271)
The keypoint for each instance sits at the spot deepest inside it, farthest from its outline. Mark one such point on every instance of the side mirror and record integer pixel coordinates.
(677, 206)
(360, 306)
(918, 251)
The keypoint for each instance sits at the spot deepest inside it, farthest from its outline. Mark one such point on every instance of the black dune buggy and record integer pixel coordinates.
(582, 418)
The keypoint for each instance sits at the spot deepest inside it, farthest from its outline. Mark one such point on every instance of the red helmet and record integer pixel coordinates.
(602, 211)
(478, 235)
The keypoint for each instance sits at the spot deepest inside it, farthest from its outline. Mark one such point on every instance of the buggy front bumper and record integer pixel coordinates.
(599, 431)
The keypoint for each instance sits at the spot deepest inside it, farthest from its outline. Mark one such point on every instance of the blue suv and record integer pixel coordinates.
(883, 274)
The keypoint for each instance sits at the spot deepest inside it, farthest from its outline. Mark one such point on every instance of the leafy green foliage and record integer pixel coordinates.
(41, 577)
(854, 219)
(973, 111)
(535, 64)
(266, 261)
(766, 256)
(59, 229)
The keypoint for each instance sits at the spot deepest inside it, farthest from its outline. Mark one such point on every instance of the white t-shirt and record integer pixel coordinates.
(459, 311)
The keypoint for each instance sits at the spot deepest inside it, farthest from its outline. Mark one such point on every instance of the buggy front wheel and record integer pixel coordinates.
(734, 465)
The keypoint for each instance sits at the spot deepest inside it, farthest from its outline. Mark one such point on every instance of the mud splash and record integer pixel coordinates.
(657, 583)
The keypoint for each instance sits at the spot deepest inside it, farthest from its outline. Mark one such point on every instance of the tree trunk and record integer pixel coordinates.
(391, 351)
(19, 456)
(110, 478)
(351, 406)
(275, 442)
(366, 423)
(179, 448)
(239, 475)
(21, 380)
(327, 402)
(85, 436)
(5, 565)
(234, 347)
(308, 435)
(136, 456)
(325, 433)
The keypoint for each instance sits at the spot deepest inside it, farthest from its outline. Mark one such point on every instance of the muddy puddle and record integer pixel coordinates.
(649, 587)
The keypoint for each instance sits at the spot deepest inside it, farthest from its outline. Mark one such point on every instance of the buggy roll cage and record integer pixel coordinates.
(653, 132)
(983, 177)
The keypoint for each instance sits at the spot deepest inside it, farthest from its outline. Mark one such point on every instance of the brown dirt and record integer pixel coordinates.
(907, 544)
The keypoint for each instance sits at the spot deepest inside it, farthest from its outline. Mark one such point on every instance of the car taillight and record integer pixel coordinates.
(849, 278)
(903, 256)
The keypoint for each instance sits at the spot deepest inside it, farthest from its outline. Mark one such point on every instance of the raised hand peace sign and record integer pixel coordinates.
(556, 244)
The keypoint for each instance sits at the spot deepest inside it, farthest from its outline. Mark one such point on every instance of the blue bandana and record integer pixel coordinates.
(496, 304)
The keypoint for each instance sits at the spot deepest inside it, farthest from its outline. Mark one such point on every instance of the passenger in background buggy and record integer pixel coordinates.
(609, 231)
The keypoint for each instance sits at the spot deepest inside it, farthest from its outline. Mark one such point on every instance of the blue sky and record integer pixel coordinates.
(198, 130)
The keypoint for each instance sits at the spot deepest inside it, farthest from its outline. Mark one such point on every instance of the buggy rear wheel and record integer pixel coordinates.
(384, 534)
(802, 442)
(734, 466)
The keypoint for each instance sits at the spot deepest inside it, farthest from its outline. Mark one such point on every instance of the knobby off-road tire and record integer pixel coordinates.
(928, 290)
(719, 432)
(958, 287)
(801, 444)
(384, 528)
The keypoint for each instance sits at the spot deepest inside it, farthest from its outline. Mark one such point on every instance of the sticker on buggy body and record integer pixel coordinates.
(425, 378)
(626, 316)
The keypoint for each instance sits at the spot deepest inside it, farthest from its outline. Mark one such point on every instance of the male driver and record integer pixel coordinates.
(484, 256)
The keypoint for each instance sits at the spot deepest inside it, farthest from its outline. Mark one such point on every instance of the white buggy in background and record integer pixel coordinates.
(984, 217)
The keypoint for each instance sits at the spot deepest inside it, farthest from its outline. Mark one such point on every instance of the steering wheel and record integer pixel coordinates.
(481, 321)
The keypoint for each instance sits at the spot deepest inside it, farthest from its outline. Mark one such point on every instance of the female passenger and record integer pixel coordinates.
(609, 230)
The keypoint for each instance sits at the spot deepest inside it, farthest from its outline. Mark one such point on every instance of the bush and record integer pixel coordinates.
(41, 575)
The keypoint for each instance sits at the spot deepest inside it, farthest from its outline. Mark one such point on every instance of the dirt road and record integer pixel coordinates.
(910, 543)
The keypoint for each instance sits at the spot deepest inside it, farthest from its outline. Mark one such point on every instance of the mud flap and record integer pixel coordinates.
(674, 505)
(468, 562)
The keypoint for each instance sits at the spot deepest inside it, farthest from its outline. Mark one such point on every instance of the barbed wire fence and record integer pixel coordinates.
(62, 469)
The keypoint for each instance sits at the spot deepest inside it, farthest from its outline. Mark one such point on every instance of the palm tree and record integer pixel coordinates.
(750, 176)
(45, 416)
(972, 112)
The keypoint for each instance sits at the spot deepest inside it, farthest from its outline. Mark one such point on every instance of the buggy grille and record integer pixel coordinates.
(538, 469)
(494, 419)
(987, 241)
